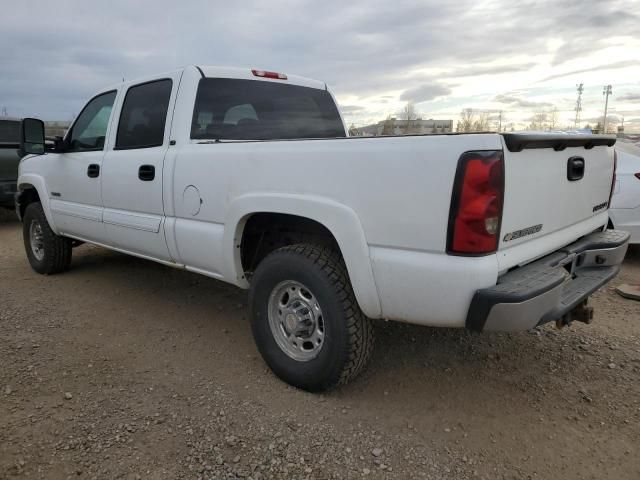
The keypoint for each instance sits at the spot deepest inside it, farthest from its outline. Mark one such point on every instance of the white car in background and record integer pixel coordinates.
(625, 202)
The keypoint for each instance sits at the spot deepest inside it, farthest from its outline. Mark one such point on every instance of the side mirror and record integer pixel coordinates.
(31, 137)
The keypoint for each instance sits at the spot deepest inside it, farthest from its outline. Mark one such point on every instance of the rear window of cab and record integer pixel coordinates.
(234, 109)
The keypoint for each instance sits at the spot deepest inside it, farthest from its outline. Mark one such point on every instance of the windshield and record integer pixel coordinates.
(257, 110)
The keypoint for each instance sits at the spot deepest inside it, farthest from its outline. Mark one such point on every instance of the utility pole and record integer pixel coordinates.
(500, 122)
(606, 91)
(576, 124)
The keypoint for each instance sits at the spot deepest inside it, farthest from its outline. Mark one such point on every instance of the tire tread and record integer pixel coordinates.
(360, 328)
(58, 250)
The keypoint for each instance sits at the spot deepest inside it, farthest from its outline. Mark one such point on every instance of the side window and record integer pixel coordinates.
(143, 116)
(90, 129)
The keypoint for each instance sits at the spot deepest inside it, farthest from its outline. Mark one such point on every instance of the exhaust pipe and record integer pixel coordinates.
(582, 313)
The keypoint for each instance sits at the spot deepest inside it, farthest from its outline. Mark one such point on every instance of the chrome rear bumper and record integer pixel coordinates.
(549, 288)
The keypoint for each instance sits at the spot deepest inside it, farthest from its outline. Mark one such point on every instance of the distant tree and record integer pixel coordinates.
(353, 130)
(612, 126)
(538, 121)
(553, 118)
(481, 123)
(388, 126)
(467, 120)
(409, 115)
(409, 112)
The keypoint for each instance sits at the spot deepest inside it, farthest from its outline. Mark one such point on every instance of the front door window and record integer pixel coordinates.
(90, 129)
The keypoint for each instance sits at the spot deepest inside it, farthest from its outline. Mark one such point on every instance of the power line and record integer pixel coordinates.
(578, 108)
(606, 91)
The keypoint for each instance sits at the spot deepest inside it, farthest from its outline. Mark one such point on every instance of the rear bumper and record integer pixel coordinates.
(551, 287)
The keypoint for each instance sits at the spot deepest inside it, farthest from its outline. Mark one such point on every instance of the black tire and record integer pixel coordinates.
(348, 333)
(55, 250)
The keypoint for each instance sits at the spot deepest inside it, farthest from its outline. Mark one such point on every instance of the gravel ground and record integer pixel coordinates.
(122, 368)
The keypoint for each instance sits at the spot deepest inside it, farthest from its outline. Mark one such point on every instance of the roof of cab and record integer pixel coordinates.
(247, 74)
(220, 72)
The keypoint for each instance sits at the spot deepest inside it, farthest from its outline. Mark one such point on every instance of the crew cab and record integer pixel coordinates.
(248, 176)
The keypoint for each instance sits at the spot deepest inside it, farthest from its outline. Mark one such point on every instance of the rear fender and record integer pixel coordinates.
(339, 219)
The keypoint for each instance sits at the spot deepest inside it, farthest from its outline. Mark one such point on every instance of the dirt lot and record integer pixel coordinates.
(122, 368)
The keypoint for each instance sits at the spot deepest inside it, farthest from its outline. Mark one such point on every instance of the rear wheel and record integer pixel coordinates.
(305, 318)
(47, 252)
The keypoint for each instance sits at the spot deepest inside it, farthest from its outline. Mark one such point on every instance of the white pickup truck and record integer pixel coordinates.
(248, 176)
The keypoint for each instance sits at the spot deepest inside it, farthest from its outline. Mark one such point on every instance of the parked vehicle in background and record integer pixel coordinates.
(625, 203)
(9, 159)
(248, 176)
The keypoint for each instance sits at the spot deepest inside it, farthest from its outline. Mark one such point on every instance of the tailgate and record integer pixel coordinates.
(546, 192)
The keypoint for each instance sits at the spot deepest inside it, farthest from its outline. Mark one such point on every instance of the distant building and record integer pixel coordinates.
(368, 131)
(394, 126)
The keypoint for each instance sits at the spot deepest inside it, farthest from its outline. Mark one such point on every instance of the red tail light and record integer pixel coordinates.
(266, 74)
(613, 178)
(476, 204)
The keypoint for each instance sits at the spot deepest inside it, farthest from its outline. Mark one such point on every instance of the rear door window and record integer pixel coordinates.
(143, 116)
(258, 110)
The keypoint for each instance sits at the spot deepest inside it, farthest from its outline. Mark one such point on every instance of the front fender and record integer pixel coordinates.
(339, 219)
(32, 180)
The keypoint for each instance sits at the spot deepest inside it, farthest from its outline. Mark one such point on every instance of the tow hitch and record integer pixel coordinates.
(582, 313)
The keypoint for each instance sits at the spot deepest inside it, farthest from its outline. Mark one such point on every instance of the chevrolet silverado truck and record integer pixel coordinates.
(248, 176)
(9, 159)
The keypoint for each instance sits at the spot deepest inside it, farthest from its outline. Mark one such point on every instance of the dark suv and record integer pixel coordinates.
(9, 159)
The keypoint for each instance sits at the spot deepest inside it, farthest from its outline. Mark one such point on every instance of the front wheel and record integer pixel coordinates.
(47, 252)
(305, 318)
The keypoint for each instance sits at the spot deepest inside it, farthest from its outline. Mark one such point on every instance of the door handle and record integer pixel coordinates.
(146, 173)
(93, 170)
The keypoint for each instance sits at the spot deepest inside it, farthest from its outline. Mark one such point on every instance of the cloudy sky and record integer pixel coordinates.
(519, 57)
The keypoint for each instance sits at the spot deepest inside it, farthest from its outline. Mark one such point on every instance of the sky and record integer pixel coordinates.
(518, 57)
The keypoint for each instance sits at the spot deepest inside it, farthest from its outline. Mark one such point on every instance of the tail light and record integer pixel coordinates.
(613, 177)
(266, 74)
(476, 204)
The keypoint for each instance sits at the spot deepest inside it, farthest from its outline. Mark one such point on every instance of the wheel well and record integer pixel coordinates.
(28, 195)
(265, 232)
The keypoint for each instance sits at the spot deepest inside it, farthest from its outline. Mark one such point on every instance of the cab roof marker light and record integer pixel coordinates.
(267, 74)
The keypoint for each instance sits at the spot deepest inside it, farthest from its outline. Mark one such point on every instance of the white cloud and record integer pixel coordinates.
(424, 93)
(374, 53)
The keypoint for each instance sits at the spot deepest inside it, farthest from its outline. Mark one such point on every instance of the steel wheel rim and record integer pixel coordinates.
(36, 240)
(296, 320)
